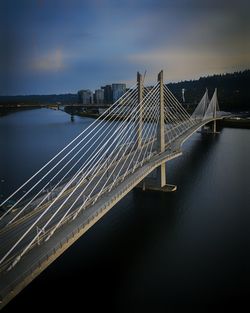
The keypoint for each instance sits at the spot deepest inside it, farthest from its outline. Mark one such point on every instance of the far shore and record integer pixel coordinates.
(240, 120)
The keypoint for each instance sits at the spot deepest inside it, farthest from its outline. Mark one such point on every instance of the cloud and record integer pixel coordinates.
(53, 61)
(186, 63)
(63, 45)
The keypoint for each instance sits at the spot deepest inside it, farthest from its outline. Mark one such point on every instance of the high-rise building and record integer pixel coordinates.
(85, 96)
(99, 96)
(108, 96)
(118, 91)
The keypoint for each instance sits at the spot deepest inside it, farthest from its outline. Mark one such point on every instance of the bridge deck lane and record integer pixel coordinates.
(9, 235)
(71, 230)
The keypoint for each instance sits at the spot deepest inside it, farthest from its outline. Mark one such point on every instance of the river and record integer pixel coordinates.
(153, 252)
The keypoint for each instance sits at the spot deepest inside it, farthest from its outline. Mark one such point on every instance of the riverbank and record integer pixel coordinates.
(236, 122)
(87, 114)
(241, 121)
(8, 110)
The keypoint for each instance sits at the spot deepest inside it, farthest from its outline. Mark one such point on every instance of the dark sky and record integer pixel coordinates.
(58, 46)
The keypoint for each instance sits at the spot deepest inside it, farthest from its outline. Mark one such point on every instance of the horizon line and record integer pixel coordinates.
(174, 82)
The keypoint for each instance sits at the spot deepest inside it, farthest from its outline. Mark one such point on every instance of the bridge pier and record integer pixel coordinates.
(161, 175)
(161, 180)
(214, 127)
(140, 98)
(210, 128)
(159, 183)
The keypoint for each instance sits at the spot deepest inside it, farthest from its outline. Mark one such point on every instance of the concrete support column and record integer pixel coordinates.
(161, 126)
(214, 114)
(140, 97)
(161, 175)
(214, 127)
(159, 183)
(161, 170)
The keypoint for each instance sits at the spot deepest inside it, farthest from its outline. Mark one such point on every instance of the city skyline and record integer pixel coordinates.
(62, 46)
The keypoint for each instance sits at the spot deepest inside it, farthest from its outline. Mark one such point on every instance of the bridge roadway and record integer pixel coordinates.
(43, 252)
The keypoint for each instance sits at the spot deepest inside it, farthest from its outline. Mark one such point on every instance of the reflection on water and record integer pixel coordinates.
(153, 251)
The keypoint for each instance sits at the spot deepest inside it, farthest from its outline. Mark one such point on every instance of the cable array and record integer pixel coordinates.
(94, 164)
(201, 108)
(177, 119)
(212, 107)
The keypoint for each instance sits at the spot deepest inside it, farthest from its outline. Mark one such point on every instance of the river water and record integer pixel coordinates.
(153, 252)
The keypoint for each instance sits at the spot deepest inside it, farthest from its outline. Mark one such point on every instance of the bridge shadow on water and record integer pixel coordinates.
(128, 262)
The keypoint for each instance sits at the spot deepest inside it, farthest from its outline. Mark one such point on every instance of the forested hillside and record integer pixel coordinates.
(233, 90)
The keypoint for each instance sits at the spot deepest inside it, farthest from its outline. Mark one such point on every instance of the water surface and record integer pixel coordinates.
(153, 252)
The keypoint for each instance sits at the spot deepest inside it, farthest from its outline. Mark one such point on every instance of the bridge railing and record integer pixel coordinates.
(120, 142)
(40, 260)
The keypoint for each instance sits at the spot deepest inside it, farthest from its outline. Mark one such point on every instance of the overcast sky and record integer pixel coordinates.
(59, 46)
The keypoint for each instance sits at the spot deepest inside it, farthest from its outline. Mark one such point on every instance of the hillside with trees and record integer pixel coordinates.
(233, 90)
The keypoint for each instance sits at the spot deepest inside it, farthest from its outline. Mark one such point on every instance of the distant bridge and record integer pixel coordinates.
(138, 134)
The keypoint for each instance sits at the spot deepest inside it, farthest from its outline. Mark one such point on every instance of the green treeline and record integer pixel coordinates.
(233, 90)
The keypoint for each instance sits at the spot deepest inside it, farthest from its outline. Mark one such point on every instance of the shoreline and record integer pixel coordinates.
(233, 122)
(236, 122)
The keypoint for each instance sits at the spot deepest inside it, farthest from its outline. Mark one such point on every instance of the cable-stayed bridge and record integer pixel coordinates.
(135, 137)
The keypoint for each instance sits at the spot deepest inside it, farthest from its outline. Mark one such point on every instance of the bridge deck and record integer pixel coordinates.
(45, 252)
